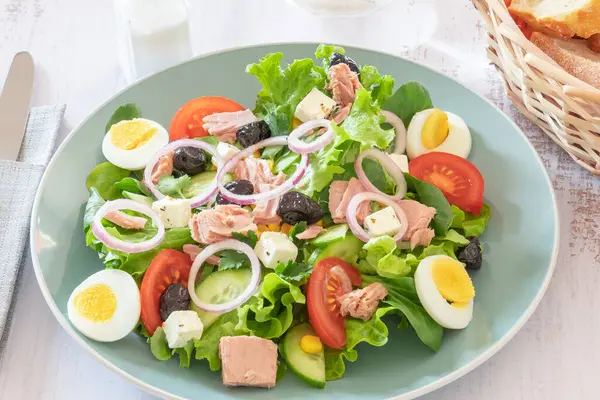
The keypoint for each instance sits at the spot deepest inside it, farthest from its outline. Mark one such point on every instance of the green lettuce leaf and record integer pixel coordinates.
(471, 224)
(103, 177)
(363, 124)
(171, 186)
(431, 196)
(95, 201)
(283, 89)
(269, 313)
(380, 86)
(132, 185)
(207, 347)
(373, 251)
(160, 349)
(294, 272)
(324, 52)
(408, 100)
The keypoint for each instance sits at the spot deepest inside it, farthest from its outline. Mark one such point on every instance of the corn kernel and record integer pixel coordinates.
(213, 167)
(320, 222)
(286, 228)
(259, 234)
(274, 227)
(296, 123)
(256, 154)
(263, 228)
(311, 344)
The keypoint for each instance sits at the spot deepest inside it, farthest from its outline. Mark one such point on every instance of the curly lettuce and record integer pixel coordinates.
(471, 224)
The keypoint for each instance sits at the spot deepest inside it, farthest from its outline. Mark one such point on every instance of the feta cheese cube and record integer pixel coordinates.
(275, 247)
(174, 213)
(226, 150)
(401, 160)
(182, 326)
(383, 222)
(315, 105)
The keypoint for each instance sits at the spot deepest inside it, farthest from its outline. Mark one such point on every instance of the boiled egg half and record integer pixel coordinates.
(106, 306)
(445, 291)
(131, 144)
(437, 130)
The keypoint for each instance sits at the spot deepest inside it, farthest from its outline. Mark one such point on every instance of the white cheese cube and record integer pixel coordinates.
(174, 213)
(227, 151)
(182, 326)
(382, 222)
(316, 105)
(274, 248)
(401, 160)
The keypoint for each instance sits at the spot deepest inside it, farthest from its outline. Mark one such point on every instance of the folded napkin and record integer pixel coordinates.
(19, 181)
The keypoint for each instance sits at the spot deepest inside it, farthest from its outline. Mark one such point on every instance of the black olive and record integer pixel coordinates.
(295, 207)
(190, 160)
(252, 133)
(241, 186)
(175, 298)
(471, 254)
(338, 58)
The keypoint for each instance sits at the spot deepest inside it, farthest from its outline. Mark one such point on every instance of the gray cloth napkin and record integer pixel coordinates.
(19, 181)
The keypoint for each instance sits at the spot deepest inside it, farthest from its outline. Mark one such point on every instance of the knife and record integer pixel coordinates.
(14, 105)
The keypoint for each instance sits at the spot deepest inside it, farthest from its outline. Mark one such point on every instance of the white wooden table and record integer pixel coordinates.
(555, 356)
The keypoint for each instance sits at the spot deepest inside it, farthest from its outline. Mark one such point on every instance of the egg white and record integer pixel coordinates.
(434, 303)
(458, 141)
(126, 315)
(138, 158)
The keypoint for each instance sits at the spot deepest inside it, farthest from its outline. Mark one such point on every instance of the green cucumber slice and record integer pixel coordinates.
(309, 367)
(332, 234)
(347, 249)
(140, 198)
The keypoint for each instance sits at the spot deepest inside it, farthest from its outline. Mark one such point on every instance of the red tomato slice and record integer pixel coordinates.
(326, 283)
(169, 266)
(187, 122)
(459, 180)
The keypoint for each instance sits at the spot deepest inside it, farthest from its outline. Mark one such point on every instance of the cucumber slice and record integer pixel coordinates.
(200, 182)
(347, 249)
(331, 235)
(218, 288)
(140, 198)
(309, 367)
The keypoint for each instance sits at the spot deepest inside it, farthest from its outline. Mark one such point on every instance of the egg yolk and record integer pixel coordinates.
(129, 135)
(435, 129)
(452, 281)
(97, 303)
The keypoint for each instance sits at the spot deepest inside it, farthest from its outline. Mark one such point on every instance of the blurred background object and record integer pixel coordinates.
(339, 7)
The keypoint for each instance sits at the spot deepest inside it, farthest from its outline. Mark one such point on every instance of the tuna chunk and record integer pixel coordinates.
(248, 361)
(213, 225)
(164, 166)
(126, 221)
(418, 217)
(343, 83)
(311, 232)
(340, 193)
(192, 250)
(224, 125)
(362, 303)
(265, 212)
(258, 172)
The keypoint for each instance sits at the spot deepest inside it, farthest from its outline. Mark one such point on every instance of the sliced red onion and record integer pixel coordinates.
(121, 245)
(391, 168)
(298, 146)
(352, 210)
(398, 125)
(264, 196)
(200, 198)
(228, 244)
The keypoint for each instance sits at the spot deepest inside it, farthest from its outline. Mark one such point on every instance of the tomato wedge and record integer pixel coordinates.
(187, 121)
(459, 180)
(331, 278)
(169, 266)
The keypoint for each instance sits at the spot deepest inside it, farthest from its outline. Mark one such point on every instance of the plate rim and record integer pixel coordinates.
(428, 388)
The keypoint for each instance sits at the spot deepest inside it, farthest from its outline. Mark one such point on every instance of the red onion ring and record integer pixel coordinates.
(390, 167)
(300, 147)
(200, 198)
(398, 125)
(244, 296)
(258, 197)
(358, 230)
(121, 245)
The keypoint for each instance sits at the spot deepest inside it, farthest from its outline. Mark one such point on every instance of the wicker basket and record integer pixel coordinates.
(566, 108)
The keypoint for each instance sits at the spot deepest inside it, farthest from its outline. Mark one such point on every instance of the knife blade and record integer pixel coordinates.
(14, 105)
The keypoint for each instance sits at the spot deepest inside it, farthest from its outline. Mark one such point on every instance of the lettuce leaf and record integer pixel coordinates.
(207, 347)
(380, 86)
(408, 100)
(373, 251)
(160, 349)
(103, 177)
(283, 89)
(471, 224)
(431, 196)
(324, 52)
(363, 124)
(269, 313)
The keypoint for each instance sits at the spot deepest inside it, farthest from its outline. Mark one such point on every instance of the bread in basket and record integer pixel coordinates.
(563, 106)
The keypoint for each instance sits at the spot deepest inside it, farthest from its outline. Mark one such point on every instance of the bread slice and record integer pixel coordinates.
(565, 18)
(573, 55)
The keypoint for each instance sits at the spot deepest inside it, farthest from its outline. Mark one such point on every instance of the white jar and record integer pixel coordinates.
(152, 34)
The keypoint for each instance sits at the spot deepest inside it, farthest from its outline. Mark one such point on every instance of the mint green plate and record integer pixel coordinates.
(520, 245)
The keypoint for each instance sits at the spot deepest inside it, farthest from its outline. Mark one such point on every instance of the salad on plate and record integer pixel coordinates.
(280, 237)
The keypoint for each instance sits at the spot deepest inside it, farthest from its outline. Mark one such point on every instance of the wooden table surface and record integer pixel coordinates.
(555, 356)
